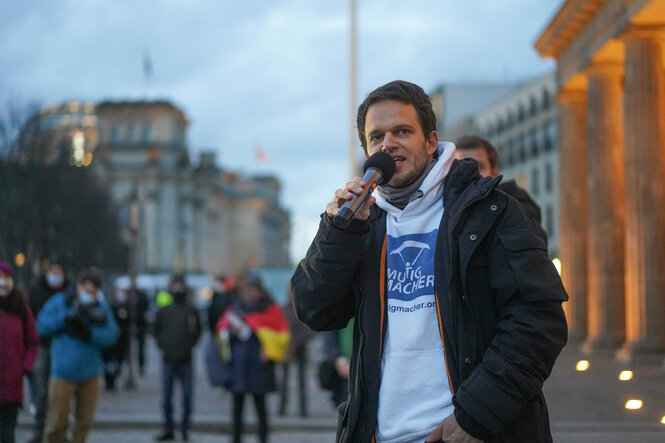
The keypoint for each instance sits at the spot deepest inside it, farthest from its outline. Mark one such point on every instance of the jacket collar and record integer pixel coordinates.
(464, 185)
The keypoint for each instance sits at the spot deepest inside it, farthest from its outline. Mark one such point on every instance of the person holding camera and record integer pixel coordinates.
(80, 324)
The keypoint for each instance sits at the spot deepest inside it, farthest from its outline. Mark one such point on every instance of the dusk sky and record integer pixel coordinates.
(264, 73)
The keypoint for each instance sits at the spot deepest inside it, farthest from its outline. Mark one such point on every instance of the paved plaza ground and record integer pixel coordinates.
(585, 407)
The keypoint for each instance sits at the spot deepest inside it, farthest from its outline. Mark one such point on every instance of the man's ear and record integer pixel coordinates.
(432, 142)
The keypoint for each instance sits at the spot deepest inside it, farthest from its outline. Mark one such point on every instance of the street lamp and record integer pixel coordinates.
(134, 227)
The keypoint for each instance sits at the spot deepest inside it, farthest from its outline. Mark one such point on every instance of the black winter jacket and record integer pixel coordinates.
(177, 328)
(498, 298)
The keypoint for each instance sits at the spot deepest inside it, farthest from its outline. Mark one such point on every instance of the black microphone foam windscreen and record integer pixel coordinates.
(383, 162)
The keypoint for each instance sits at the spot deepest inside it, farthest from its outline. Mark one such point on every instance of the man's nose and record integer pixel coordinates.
(389, 142)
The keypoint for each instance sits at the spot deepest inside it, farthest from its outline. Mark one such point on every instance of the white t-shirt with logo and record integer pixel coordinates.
(415, 394)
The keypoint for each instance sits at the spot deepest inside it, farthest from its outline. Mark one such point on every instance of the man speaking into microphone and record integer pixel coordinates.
(457, 307)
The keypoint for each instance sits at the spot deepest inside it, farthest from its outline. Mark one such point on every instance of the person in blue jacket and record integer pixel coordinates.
(80, 324)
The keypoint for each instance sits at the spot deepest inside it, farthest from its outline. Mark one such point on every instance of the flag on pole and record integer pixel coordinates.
(147, 65)
(260, 154)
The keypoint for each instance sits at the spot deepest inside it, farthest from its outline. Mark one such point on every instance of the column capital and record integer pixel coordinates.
(574, 90)
(645, 32)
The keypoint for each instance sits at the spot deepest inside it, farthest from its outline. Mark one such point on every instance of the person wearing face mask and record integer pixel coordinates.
(80, 324)
(18, 349)
(177, 328)
(54, 281)
(115, 356)
(254, 335)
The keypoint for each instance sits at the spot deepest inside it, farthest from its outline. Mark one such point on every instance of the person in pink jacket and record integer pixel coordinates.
(18, 349)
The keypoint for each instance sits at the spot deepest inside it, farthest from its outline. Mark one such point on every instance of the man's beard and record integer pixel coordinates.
(419, 167)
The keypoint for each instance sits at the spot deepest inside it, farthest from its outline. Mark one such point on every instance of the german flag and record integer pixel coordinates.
(270, 327)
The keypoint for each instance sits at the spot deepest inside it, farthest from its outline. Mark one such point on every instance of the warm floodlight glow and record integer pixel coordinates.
(557, 265)
(662, 420)
(19, 259)
(626, 375)
(78, 147)
(582, 365)
(634, 404)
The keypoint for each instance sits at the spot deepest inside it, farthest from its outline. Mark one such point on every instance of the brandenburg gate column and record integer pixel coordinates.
(573, 207)
(645, 191)
(606, 197)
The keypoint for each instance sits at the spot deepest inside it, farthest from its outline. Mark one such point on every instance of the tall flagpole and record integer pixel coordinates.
(147, 73)
(353, 93)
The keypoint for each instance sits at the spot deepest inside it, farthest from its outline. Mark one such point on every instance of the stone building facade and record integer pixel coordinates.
(611, 93)
(454, 102)
(523, 126)
(186, 216)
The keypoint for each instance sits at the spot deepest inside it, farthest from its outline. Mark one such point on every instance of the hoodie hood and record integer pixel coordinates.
(431, 188)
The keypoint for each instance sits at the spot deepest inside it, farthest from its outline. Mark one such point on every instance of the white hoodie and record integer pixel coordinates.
(415, 395)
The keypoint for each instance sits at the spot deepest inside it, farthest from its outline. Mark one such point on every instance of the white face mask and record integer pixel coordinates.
(85, 298)
(55, 280)
(6, 286)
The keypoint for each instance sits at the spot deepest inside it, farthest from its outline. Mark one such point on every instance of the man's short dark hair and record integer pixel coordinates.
(177, 279)
(403, 92)
(92, 275)
(475, 142)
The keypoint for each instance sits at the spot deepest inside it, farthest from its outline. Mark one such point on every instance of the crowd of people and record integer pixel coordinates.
(67, 338)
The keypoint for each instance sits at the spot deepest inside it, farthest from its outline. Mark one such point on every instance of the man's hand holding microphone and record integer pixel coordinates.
(355, 200)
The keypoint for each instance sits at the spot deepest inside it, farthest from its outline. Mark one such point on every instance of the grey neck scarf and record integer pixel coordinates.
(400, 197)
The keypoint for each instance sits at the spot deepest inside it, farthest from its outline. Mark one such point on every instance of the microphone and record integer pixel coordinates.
(379, 168)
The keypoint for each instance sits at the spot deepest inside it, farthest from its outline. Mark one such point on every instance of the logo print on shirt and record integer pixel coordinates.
(410, 244)
(411, 266)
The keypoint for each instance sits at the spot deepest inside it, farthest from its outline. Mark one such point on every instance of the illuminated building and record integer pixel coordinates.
(192, 216)
(611, 95)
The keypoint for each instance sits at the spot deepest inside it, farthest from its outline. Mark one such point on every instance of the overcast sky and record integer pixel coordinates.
(272, 73)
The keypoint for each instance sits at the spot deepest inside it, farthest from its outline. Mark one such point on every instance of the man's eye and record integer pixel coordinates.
(374, 138)
(403, 132)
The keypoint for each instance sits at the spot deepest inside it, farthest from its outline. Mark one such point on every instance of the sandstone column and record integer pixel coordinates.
(573, 207)
(606, 207)
(645, 192)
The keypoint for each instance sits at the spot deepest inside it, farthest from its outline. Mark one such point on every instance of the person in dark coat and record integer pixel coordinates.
(115, 356)
(224, 293)
(457, 306)
(334, 368)
(18, 349)
(253, 334)
(177, 328)
(484, 152)
(47, 286)
(138, 310)
(295, 354)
